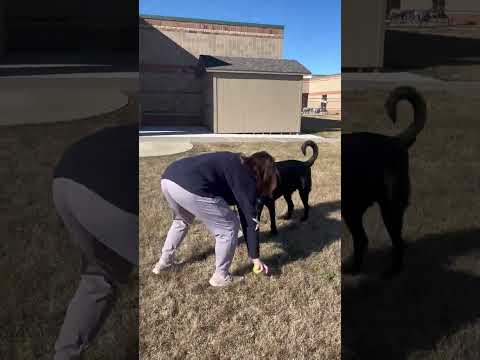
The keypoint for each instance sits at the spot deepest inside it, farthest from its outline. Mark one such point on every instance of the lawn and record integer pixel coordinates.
(40, 267)
(292, 314)
(430, 311)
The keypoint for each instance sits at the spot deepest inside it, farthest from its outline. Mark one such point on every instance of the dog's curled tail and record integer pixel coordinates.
(310, 143)
(409, 135)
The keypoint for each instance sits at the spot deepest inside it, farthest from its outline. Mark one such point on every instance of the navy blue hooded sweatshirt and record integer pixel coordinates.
(221, 174)
(106, 162)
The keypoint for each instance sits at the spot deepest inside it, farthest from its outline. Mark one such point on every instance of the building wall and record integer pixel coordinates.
(416, 4)
(169, 51)
(274, 103)
(463, 11)
(3, 29)
(209, 95)
(363, 33)
(212, 39)
(72, 25)
(459, 11)
(331, 86)
(393, 4)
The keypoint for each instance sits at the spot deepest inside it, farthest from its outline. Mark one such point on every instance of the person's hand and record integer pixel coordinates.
(260, 265)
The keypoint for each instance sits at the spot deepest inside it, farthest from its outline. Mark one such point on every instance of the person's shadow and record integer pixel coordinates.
(436, 294)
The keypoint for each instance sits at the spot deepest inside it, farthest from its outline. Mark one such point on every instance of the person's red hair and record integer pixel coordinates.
(262, 165)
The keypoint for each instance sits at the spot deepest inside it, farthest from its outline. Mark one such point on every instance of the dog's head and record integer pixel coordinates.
(263, 166)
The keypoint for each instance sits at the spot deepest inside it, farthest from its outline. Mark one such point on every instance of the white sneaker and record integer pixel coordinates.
(162, 265)
(219, 281)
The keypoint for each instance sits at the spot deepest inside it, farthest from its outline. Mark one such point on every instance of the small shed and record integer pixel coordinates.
(252, 95)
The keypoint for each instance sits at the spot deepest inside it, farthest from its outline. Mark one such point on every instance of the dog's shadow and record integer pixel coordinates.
(435, 295)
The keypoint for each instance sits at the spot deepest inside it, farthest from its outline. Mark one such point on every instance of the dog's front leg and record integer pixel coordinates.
(273, 224)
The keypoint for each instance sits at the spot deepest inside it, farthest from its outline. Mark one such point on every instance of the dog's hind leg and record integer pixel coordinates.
(259, 210)
(288, 199)
(393, 219)
(306, 207)
(360, 239)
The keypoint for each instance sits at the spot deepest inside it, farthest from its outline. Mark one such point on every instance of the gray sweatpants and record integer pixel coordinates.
(215, 213)
(95, 226)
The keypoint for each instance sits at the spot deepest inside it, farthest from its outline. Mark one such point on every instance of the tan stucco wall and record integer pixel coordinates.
(363, 33)
(331, 86)
(462, 6)
(251, 104)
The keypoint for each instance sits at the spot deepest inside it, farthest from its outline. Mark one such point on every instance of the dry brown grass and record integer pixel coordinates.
(293, 314)
(39, 265)
(430, 311)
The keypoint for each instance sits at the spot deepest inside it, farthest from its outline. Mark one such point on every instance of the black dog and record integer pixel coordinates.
(292, 175)
(375, 170)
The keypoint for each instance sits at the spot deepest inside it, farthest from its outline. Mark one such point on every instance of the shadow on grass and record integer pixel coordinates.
(311, 125)
(435, 295)
(411, 50)
(297, 239)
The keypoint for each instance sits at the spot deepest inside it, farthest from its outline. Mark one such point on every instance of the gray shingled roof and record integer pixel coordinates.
(252, 65)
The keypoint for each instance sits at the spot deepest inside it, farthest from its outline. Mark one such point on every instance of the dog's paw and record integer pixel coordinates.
(286, 216)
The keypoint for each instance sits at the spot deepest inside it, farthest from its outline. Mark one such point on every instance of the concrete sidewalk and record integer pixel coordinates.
(200, 134)
(216, 138)
(362, 81)
(150, 146)
(352, 81)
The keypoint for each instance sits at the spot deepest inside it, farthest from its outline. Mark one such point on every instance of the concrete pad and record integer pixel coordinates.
(148, 148)
(35, 100)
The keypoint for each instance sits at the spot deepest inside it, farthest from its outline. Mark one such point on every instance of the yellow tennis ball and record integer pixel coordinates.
(256, 270)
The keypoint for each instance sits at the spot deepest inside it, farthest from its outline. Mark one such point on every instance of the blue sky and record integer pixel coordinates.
(312, 27)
